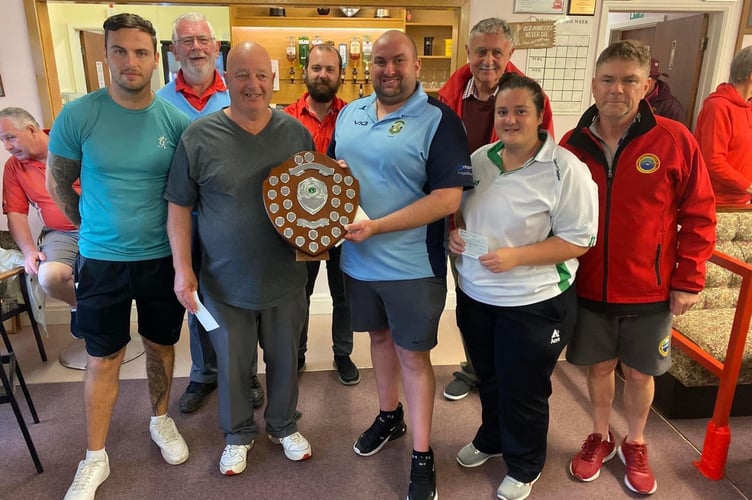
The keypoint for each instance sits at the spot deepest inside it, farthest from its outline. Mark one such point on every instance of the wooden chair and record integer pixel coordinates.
(7, 395)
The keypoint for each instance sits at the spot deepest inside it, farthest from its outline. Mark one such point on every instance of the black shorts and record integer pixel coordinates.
(105, 291)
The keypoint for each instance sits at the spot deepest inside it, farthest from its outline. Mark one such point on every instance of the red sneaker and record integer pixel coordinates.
(639, 478)
(586, 465)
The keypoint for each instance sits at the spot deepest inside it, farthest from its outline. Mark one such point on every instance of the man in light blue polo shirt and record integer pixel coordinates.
(410, 155)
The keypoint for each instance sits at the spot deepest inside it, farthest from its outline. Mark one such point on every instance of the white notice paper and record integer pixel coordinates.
(475, 244)
(203, 316)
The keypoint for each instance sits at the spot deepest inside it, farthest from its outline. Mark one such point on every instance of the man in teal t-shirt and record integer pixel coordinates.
(120, 142)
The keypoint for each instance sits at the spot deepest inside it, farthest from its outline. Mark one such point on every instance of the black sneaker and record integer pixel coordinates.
(386, 427)
(422, 477)
(194, 396)
(346, 371)
(257, 392)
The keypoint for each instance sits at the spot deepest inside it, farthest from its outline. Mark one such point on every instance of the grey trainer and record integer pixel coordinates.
(470, 456)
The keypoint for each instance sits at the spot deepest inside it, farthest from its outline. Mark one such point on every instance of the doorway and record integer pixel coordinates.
(679, 45)
(96, 72)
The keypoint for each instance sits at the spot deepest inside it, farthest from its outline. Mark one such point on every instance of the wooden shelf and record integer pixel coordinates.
(430, 25)
(382, 23)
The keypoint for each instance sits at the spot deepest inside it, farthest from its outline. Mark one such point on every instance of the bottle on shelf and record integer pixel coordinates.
(316, 40)
(303, 48)
(343, 51)
(427, 45)
(291, 54)
(355, 56)
(367, 54)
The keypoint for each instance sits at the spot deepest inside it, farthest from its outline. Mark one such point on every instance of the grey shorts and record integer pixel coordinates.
(59, 246)
(641, 341)
(411, 309)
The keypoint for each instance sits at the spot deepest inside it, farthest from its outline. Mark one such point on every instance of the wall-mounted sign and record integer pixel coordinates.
(539, 6)
(533, 34)
(636, 15)
(581, 8)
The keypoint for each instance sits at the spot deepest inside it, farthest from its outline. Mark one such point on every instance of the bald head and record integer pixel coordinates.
(397, 37)
(248, 53)
(395, 69)
(249, 80)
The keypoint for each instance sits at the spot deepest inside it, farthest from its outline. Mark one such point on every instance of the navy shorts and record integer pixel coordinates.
(411, 309)
(105, 291)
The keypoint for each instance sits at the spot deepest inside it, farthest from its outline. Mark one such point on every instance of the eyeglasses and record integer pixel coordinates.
(188, 41)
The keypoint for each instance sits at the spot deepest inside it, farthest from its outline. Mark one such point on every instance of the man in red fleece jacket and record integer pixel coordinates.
(471, 93)
(724, 131)
(656, 229)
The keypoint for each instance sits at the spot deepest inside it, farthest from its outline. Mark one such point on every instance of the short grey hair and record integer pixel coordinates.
(19, 117)
(494, 26)
(741, 65)
(193, 17)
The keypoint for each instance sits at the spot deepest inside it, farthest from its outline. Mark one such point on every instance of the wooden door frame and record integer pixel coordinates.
(723, 21)
(43, 54)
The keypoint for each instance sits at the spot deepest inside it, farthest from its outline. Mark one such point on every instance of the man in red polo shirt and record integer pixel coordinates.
(317, 109)
(51, 257)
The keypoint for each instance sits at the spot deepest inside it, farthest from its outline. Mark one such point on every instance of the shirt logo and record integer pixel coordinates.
(555, 337)
(464, 170)
(162, 142)
(648, 163)
(361, 123)
(397, 127)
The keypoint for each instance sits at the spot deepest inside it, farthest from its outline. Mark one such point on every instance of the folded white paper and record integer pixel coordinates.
(475, 244)
(203, 316)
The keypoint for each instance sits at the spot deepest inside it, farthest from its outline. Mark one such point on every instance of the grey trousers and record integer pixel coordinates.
(235, 343)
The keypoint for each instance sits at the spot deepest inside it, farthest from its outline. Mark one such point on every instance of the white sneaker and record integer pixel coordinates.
(165, 434)
(233, 459)
(295, 445)
(89, 475)
(511, 489)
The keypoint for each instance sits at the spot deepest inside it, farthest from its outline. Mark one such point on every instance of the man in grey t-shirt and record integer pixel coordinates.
(250, 280)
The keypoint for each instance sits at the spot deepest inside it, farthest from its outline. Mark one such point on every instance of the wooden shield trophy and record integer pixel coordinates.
(310, 199)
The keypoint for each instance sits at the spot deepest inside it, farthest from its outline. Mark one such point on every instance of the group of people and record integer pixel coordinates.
(602, 239)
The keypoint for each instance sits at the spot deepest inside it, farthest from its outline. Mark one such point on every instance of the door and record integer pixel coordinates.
(680, 46)
(95, 68)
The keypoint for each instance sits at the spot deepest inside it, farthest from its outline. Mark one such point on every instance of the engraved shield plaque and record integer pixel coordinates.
(310, 199)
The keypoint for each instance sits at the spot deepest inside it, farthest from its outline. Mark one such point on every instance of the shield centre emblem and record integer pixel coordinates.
(312, 195)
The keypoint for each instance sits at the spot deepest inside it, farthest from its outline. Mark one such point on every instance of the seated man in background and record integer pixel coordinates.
(51, 257)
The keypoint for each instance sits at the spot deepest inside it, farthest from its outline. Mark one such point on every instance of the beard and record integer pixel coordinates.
(322, 91)
(194, 75)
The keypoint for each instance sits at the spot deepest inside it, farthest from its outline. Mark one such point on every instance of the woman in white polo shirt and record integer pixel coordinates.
(532, 212)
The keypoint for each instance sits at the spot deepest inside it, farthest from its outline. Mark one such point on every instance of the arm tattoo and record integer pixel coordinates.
(64, 172)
